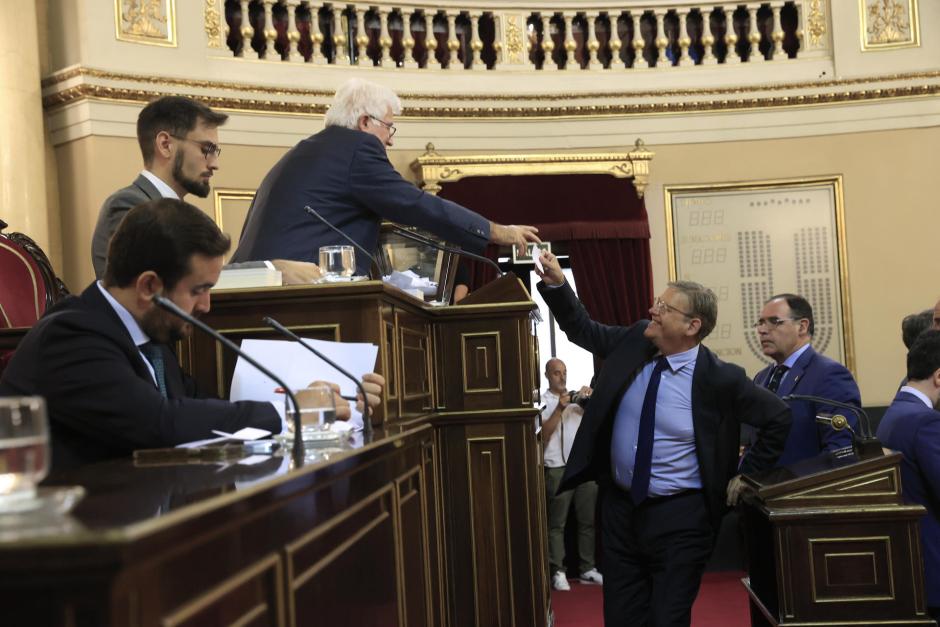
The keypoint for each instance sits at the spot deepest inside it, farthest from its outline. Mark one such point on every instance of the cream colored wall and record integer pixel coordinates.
(889, 207)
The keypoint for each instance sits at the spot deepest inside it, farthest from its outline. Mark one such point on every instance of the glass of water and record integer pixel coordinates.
(24, 449)
(317, 412)
(337, 262)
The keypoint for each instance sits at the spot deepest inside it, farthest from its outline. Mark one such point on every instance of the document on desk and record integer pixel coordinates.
(298, 367)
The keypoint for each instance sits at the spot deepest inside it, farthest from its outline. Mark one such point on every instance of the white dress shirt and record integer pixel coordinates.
(558, 447)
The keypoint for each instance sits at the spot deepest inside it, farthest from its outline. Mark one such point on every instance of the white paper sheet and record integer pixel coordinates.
(298, 367)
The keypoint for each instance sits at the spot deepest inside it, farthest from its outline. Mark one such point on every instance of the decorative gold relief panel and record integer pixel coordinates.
(146, 21)
(481, 361)
(213, 24)
(886, 24)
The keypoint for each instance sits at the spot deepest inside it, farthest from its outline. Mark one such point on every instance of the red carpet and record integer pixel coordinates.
(721, 602)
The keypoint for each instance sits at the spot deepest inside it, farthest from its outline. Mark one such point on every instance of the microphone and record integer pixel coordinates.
(310, 210)
(415, 237)
(167, 305)
(868, 445)
(366, 418)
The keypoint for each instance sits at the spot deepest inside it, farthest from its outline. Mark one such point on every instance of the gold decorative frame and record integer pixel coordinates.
(434, 168)
(134, 22)
(882, 24)
(221, 194)
(700, 194)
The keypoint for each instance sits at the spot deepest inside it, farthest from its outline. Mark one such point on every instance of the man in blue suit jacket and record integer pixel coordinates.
(343, 172)
(785, 329)
(912, 426)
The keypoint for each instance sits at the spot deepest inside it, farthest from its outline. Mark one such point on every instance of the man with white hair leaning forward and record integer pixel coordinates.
(343, 172)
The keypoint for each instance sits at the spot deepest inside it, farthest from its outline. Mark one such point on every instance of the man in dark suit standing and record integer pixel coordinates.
(660, 436)
(343, 172)
(785, 329)
(179, 142)
(102, 360)
(912, 426)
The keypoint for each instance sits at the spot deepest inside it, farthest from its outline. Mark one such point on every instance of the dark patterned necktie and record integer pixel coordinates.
(776, 377)
(642, 464)
(154, 355)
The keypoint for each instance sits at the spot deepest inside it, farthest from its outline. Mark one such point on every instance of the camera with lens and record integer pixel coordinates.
(579, 398)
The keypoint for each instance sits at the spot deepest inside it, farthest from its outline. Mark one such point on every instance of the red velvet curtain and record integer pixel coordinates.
(600, 219)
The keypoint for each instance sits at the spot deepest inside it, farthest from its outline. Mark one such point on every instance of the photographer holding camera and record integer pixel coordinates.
(561, 418)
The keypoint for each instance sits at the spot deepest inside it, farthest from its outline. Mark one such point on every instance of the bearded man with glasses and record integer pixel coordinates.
(660, 436)
(785, 330)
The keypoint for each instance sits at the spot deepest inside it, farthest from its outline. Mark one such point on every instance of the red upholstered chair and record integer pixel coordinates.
(28, 285)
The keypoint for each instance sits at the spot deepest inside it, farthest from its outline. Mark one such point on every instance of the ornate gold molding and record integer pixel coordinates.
(250, 105)
(816, 22)
(434, 169)
(83, 72)
(151, 22)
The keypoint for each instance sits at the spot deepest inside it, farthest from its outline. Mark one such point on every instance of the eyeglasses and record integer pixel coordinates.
(390, 127)
(206, 147)
(772, 322)
(660, 306)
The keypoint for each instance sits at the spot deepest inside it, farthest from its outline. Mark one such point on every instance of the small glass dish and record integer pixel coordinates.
(47, 500)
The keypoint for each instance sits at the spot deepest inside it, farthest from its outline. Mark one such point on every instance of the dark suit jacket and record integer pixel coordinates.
(101, 398)
(722, 397)
(912, 428)
(816, 375)
(111, 214)
(346, 176)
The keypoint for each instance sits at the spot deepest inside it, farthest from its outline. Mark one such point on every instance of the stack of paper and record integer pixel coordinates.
(240, 278)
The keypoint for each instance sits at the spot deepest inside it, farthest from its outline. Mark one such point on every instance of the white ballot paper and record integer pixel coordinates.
(298, 367)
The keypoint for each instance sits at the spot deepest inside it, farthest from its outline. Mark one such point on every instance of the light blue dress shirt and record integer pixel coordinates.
(675, 463)
(790, 361)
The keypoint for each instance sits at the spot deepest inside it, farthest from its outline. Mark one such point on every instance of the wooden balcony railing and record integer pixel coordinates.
(662, 35)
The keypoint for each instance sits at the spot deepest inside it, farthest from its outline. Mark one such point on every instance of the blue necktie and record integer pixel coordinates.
(154, 355)
(640, 486)
(776, 377)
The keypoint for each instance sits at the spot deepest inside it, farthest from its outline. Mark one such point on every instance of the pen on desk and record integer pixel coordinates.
(280, 390)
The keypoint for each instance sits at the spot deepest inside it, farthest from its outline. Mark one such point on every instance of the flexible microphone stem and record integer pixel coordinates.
(868, 444)
(366, 418)
(167, 305)
(415, 237)
(310, 210)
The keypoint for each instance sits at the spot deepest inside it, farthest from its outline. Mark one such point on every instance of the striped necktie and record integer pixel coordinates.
(776, 377)
(154, 355)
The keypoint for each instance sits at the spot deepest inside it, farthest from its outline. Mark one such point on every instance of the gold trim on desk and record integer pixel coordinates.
(497, 361)
(884, 540)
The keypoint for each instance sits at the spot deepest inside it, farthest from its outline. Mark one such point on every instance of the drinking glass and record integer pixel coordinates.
(24, 449)
(317, 412)
(337, 261)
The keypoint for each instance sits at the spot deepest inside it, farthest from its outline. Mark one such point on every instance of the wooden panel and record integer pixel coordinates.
(251, 598)
(851, 569)
(481, 360)
(413, 515)
(489, 516)
(346, 572)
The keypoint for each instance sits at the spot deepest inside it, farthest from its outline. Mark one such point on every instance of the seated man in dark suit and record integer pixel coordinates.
(660, 436)
(912, 426)
(785, 330)
(179, 143)
(102, 360)
(343, 172)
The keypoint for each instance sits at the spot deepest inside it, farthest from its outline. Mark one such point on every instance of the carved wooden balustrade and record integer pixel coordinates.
(607, 35)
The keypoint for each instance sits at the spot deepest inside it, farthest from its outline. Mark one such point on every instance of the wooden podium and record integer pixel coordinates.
(832, 543)
(437, 522)
(469, 371)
